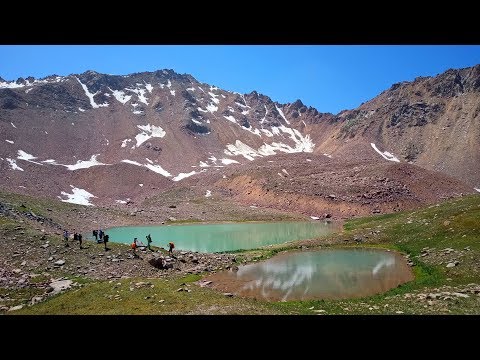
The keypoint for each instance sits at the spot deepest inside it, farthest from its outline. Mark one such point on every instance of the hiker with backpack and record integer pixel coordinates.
(149, 241)
(105, 240)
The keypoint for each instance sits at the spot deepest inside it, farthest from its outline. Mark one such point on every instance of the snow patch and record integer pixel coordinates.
(120, 96)
(149, 131)
(285, 172)
(141, 185)
(230, 118)
(242, 149)
(13, 125)
(131, 162)
(124, 142)
(149, 87)
(477, 189)
(10, 141)
(327, 155)
(282, 114)
(212, 108)
(224, 176)
(386, 155)
(22, 155)
(197, 122)
(208, 194)
(121, 201)
(172, 92)
(184, 175)
(265, 116)
(91, 96)
(84, 164)
(190, 89)
(314, 217)
(229, 161)
(78, 196)
(158, 169)
(140, 94)
(81, 110)
(13, 164)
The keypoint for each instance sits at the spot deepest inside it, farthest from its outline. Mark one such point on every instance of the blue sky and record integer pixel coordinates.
(330, 78)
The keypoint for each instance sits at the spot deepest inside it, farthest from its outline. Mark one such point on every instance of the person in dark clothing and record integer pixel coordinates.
(95, 235)
(171, 246)
(100, 235)
(75, 236)
(105, 240)
(79, 237)
(65, 237)
(149, 241)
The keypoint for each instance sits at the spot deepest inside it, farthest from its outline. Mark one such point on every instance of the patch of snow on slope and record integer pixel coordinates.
(200, 109)
(120, 96)
(78, 196)
(13, 164)
(314, 217)
(203, 164)
(10, 141)
(28, 90)
(22, 155)
(121, 201)
(155, 168)
(149, 87)
(10, 85)
(309, 160)
(386, 155)
(13, 125)
(132, 162)
(50, 161)
(327, 155)
(230, 118)
(302, 143)
(190, 89)
(241, 149)
(158, 169)
(477, 189)
(282, 114)
(229, 161)
(141, 185)
(285, 172)
(208, 193)
(84, 164)
(197, 122)
(214, 97)
(264, 117)
(212, 108)
(172, 92)
(90, 96)
(124, 142)
(80, 109)
(140, 93)
(183, 175)
(149, 131)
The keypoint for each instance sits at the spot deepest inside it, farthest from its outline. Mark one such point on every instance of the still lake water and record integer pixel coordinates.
(322, 274)
(221, 237)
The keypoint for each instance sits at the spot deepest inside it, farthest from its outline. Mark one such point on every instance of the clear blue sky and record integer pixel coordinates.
(330, 78)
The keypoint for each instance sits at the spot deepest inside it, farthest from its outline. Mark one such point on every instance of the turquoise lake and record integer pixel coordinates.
(221, 237)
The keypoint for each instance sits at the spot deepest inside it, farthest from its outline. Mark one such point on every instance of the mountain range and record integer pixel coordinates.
(118, 140)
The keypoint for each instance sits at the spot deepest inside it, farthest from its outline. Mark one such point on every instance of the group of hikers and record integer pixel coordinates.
(101, 237)
(78, 237)
(138, 244)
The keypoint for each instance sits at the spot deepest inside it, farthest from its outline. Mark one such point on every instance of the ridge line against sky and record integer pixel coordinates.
(330, 78)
